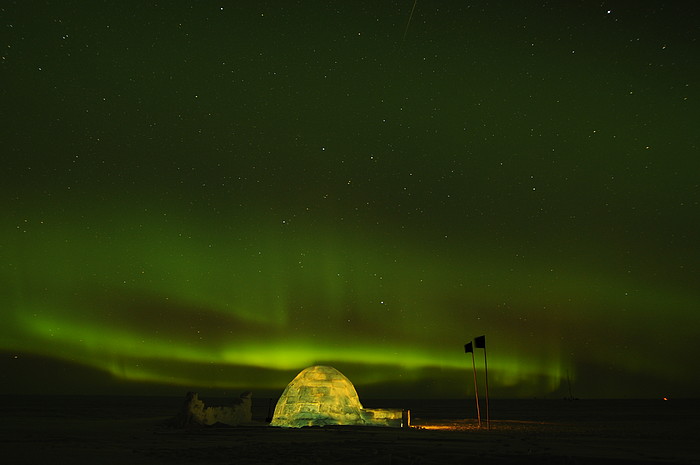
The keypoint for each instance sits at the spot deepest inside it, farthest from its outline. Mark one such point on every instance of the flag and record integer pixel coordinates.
(468, 348)
(480, 342)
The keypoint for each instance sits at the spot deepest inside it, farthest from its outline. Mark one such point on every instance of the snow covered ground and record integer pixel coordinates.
(132, 430)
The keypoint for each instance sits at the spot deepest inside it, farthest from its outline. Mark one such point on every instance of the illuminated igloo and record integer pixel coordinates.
(321, 395)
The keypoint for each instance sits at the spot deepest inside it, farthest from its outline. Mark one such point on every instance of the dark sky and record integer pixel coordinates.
(220, 194)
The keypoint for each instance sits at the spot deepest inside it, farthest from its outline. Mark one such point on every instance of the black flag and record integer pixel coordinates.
(480, 342)
(468, 348)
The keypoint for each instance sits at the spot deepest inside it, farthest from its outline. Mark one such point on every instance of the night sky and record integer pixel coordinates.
(217, 195)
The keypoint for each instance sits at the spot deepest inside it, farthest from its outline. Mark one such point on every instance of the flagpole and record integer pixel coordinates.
(476, 392)
(486, 372)
(469, 348)
(480, 343)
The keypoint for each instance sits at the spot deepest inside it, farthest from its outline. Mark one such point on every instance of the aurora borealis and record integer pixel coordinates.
(220, 194)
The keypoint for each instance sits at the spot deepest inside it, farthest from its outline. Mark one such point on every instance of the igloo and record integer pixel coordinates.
(321, 395)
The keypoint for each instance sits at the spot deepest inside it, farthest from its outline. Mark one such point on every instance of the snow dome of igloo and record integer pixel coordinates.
(321, 395)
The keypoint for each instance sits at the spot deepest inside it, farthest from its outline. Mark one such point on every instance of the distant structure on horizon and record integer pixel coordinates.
(321, 395)
(195, 413)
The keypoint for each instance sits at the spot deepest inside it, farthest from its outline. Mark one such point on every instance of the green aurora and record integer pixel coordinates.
(219, 197)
